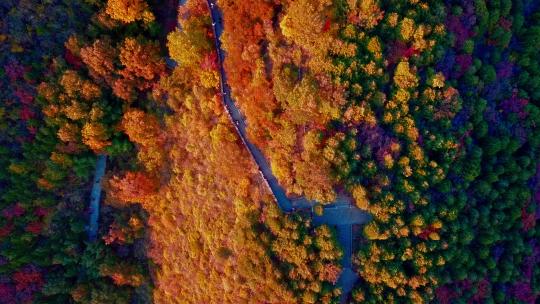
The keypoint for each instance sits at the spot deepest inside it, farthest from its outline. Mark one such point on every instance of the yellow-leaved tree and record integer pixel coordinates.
(127, 11)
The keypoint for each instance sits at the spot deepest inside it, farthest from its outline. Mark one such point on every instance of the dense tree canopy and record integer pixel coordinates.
(422, 113)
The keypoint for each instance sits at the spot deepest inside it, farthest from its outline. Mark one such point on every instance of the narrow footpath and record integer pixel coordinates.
(95, 196)
(342, 213)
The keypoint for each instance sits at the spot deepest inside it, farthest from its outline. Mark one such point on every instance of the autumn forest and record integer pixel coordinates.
(269, 151)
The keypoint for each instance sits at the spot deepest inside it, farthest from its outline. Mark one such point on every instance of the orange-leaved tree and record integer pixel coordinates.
(144, 130)
(133, 187)
(141, 60)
